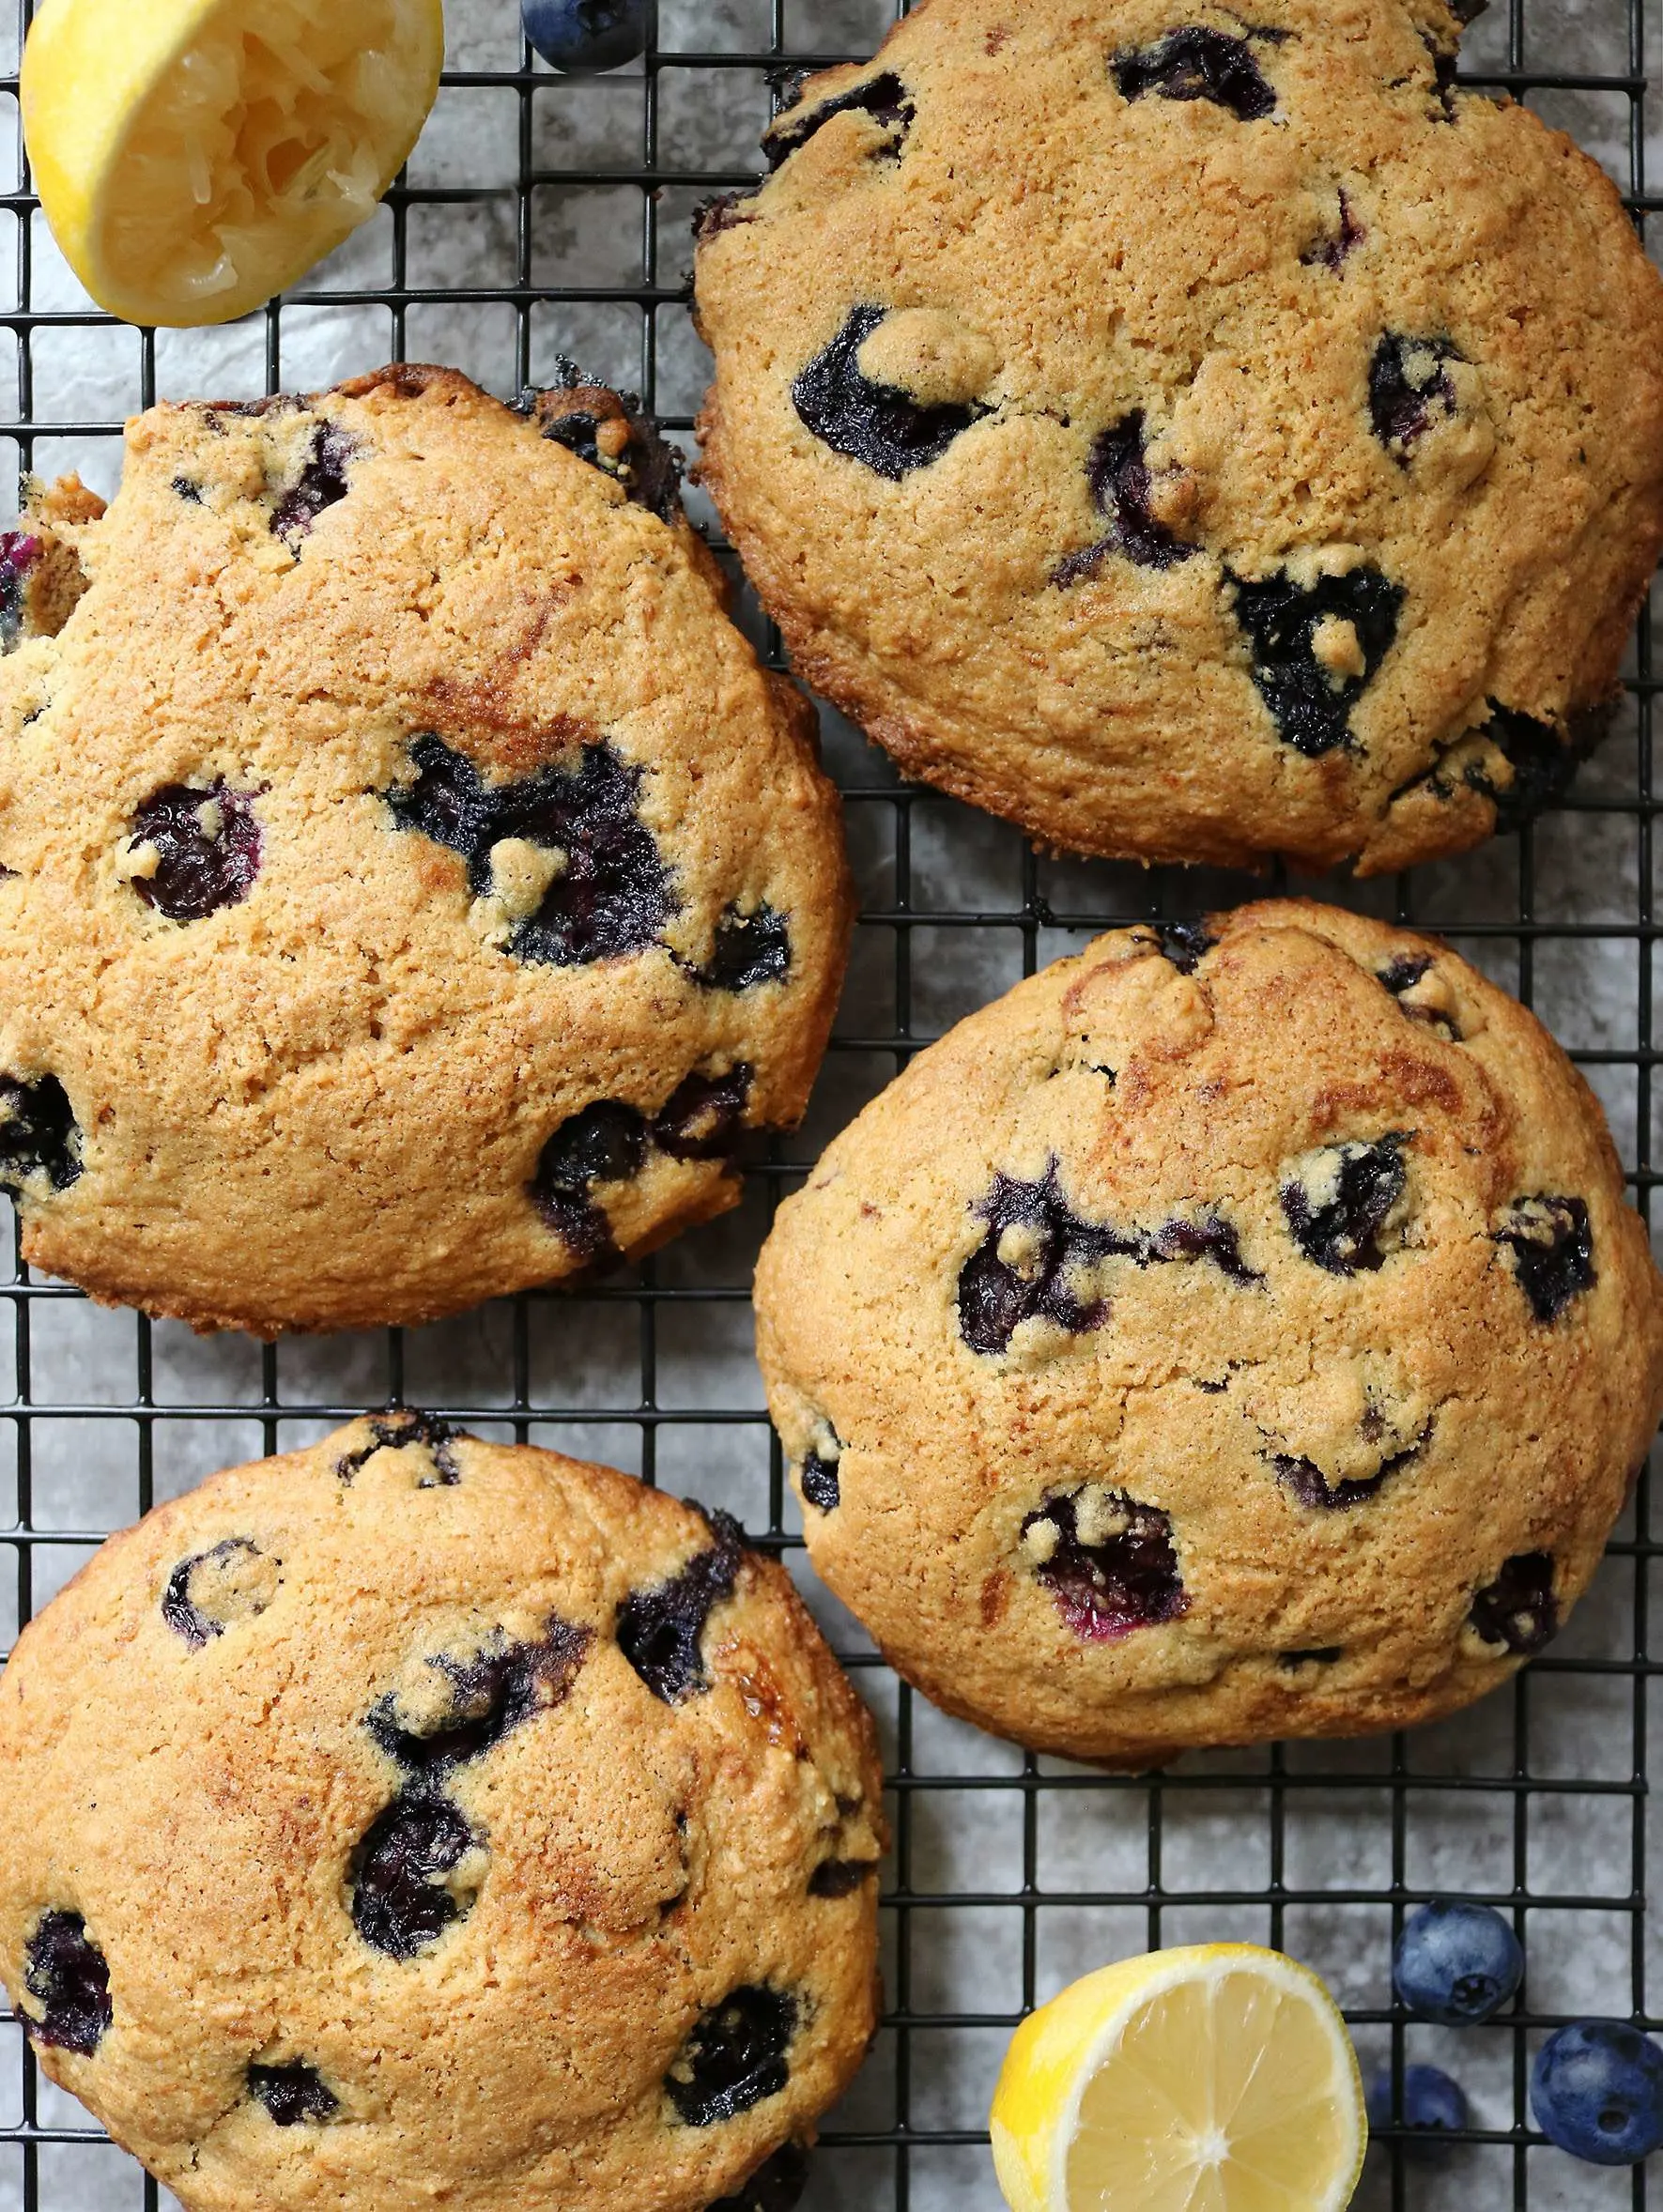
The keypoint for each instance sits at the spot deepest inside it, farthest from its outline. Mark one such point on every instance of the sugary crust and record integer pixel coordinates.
(1209, 1395)
(644, 1859)
(1084, 256)
(321, 1107)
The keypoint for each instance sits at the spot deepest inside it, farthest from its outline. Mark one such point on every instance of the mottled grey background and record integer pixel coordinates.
(1219, 1828)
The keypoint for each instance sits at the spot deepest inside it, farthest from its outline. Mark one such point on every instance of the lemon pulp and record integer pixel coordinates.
(229, 161)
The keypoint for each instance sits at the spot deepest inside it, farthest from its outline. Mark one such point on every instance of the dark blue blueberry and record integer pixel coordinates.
(748, 949)
(839, 1877)
(1542, 761)
(735, 2056)
(322, 484)
(1185, 944)
(703, 1116)
(1121, 1580)
(198, 870)
(1120, 483)
(1552, 1241)
(884, 97)
(613, 892)
(20, 554)
(292, 2093)
(822, 1484)
(606, 1143)
(1431, 2106)
(39, 1134)
(398, 1429)
(660, 1630)
(1402, 409)
(1311, 710)
(495, 1690)
(575, 409)
(1311, 1486)
(1597, 2090)
(1456, 1963)
(776, 2186)
(1518, 1609)
(399, 1898)
(66, 1974)
(1331, 251)
(884, 428)
(996, 1295)
(1208, 1238)
(1195, 63)
(180, 1610)
(583, 36)
(1336, 1215)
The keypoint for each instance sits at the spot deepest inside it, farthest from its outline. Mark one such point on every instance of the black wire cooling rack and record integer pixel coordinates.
(562, 208)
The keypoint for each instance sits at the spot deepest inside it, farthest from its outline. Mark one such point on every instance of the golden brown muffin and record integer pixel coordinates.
(412, 887)
(412, 1820)
(1232, 1332)
(1195, 434)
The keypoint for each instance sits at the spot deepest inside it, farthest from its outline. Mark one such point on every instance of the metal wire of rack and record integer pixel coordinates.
(546, 215)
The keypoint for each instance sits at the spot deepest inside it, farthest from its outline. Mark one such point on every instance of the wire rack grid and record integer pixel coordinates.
(544, 215)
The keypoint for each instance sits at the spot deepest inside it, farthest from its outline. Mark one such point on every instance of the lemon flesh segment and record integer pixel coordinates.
(1219, 2079)
(235, 159)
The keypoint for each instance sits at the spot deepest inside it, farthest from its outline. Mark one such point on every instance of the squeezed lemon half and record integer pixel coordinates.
(195, 156)
(1216, 2079)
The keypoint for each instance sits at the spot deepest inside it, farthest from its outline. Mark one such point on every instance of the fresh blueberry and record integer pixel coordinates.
(1309, 700)
(884, 428)
(207, 842)
(884, 97)
(1518, 1609)
(1120, 484)
(583, 36)
(292, 2093)
(1597, 2090)
(400, 1900)
(735, 2056)
(1431, 2105)
(1456, 1964)
(39, 1134)
(1551, 1242)
(1108, 1560)
(660, 1630)
(1196, 63)
(66, 1974)
(774, 2187)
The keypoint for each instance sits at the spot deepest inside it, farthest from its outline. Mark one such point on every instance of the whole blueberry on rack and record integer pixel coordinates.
(1457, 1964)
(1430, 2106)
(585, 35)
(1597, 2090)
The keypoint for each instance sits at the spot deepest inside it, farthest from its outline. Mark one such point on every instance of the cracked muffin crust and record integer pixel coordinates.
(384, 797)
(491, 1829)
(1238, 1331)
(1194, 433)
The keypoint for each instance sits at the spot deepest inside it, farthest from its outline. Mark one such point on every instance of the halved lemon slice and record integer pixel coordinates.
(193, 156)
(1218, 2079)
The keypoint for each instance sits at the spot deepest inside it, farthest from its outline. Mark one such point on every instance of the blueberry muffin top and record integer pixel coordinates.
(412, 887)
(489, 1830)
(1238, 1331)
(1195, 434)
